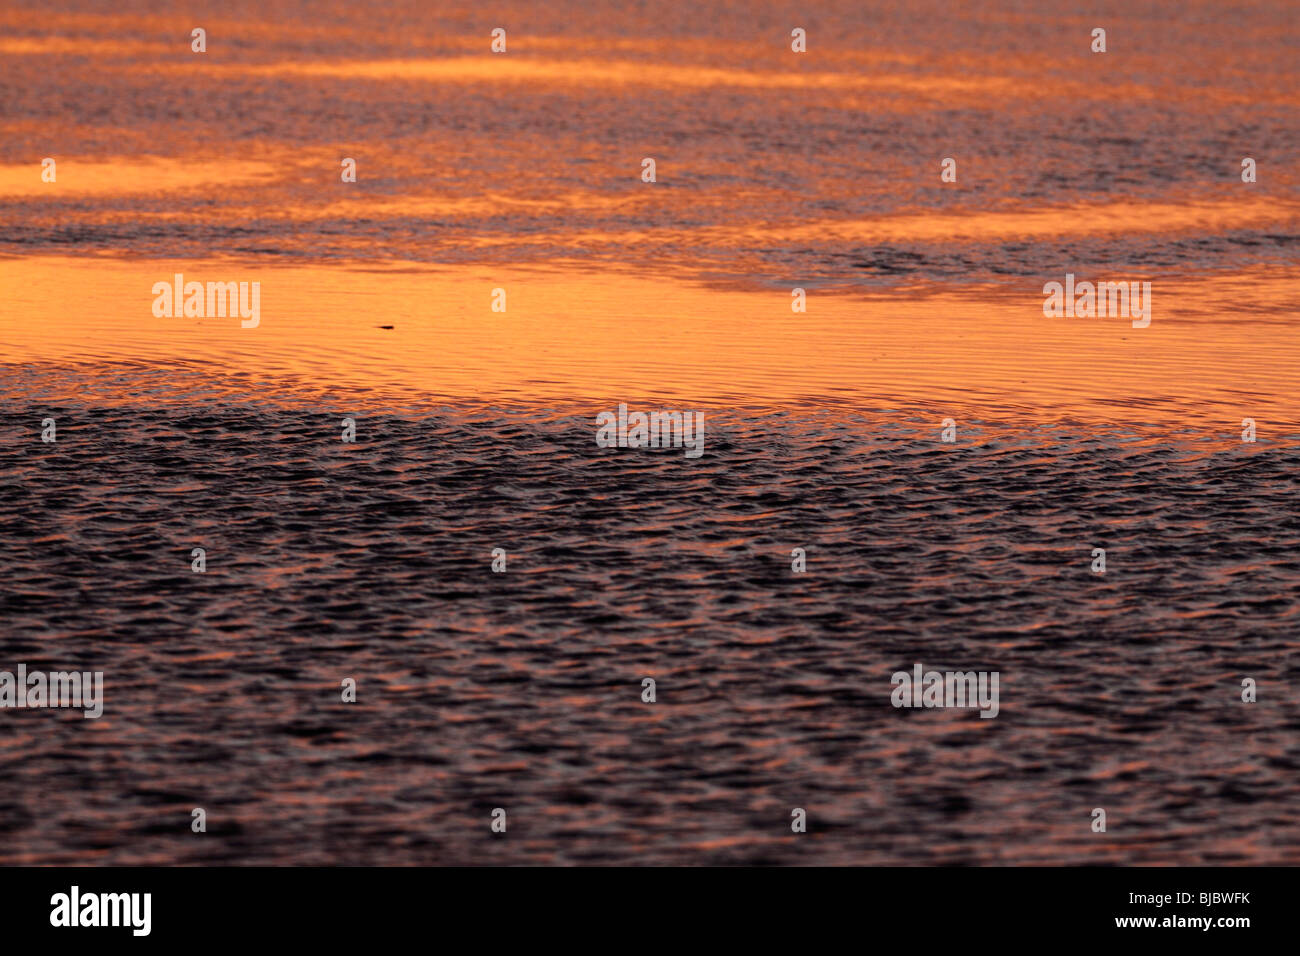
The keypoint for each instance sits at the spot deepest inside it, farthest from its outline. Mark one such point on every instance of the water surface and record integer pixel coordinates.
(476, 429)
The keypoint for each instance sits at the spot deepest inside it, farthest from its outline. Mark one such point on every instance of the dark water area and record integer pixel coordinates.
(522, 690)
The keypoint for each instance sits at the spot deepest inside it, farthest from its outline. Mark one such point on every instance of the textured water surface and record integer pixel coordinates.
(522, 689)
(819, 168)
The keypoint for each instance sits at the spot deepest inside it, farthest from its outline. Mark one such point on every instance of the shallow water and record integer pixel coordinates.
(522, 689)
(476, 430)
(819, 168)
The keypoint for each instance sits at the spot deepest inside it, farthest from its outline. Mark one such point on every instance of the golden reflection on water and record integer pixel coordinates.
(129, 175)
(570, 336)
